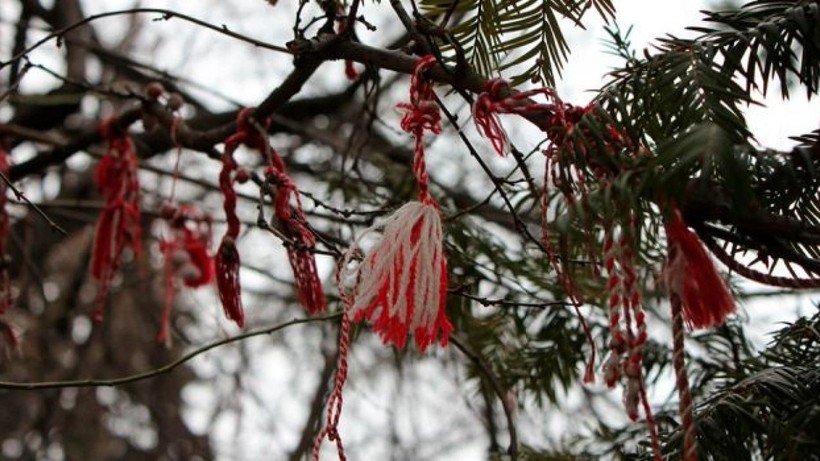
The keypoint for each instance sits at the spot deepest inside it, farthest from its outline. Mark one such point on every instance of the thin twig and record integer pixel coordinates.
(166, 15)
(19, 195)
(165, 368)
(485, 369)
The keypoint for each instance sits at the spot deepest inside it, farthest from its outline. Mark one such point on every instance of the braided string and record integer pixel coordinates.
(685, 407)
(335, 402)
(421, 114)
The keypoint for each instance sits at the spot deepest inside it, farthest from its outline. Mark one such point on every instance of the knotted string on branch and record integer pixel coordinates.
(290, 216)
(494, 101)
(401, 284)
(118, 227)
(627, 327)
(288, 211)
(187, 255)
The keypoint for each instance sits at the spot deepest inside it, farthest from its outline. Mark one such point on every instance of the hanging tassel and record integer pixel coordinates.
(227, 256)
(300, 252)
(691, 275)
(302, 241)
(401, 286)
(187, 256)
(118, 227)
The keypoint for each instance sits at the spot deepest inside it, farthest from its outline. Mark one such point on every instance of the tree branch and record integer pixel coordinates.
(165, 368)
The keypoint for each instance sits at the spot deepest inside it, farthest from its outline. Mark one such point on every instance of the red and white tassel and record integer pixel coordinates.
(691, 275)
(401, 286)
(402, 283)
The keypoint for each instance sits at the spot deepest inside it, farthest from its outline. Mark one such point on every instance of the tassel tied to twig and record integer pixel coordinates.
(118, 227)
(691, 275)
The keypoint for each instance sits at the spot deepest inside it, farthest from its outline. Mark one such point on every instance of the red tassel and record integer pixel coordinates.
(300, 254)
(187, 256)
(227, 279)
(227, 256)
(303, 243)
(119, 224)
(691, 274)
(401, 286)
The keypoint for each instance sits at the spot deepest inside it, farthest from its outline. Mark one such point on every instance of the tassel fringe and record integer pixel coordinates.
(691, 274)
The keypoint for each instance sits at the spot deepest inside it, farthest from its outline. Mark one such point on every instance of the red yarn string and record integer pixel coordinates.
(175, 140)
(187, 256)
(118, 227)
(421, 114)
(491, 102)
(761, 277)
(685, 406)
(335, 402)
(302, 241)
(292, 219)
(691, 274)
(350, 70)
(6, 300)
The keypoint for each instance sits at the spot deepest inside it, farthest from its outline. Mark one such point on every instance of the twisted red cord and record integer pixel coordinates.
(302, 241)
(335, 402)
(421, 114)
(685, 406)
(492, 102)
(227, 256)
(292, 218)
(757, 276)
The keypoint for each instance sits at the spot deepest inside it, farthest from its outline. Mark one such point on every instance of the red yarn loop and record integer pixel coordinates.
(498, 99)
